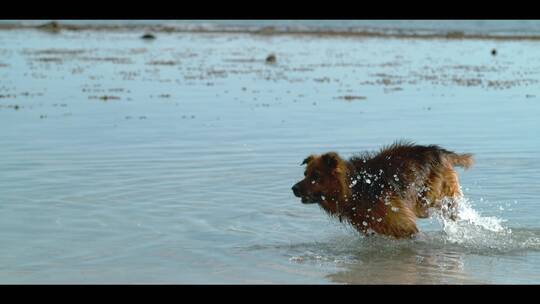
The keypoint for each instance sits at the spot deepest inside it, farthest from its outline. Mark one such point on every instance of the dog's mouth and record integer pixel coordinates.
(311, 199)
(307, 201)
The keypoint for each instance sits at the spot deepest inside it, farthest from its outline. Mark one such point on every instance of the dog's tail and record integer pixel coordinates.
(461, 160)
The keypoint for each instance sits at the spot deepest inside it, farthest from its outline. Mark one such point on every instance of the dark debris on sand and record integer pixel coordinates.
(351, 97)
(148, 36)
(104, 97)
(53, 27)
(162, 62)
(271, 58)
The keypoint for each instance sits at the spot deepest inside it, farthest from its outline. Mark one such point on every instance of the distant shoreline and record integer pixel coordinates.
(56, 27)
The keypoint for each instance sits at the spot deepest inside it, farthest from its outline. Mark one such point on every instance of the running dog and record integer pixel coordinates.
(385, 192)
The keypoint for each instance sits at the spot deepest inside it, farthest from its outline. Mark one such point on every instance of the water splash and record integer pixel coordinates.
(470, 225)
(471, 232)
(487, 234)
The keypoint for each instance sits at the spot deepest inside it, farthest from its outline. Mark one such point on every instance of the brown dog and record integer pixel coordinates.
(384, 192)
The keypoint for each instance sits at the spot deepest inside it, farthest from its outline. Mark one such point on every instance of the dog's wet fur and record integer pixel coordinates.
(385, 192)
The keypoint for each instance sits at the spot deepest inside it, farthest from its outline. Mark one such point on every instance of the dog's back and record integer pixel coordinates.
(421, 176)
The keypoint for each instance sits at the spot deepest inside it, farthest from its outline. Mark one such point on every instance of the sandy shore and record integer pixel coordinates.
(56, 27)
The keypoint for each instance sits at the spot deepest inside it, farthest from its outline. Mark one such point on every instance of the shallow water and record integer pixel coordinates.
(171, 161)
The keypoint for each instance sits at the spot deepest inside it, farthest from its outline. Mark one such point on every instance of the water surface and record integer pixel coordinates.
(171, 160)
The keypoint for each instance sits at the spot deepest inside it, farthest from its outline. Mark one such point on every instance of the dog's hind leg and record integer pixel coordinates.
(451, 193)
(399, 219)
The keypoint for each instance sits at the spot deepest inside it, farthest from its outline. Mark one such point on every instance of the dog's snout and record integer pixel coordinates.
(296, 189)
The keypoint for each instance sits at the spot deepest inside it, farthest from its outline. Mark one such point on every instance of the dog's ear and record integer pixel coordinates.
(330, 159)
(307, 160)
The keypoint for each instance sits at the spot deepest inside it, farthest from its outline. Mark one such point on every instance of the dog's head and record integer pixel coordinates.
(324, 181)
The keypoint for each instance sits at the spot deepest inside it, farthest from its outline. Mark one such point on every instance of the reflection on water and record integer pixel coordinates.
(405, 266)
(430, 258)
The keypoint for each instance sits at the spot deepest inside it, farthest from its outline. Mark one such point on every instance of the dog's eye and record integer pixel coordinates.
(315, 176)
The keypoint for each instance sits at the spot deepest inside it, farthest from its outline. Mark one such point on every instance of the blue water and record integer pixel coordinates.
(171, 161)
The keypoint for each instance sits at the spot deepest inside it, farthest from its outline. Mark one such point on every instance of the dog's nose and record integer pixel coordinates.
(296, 190)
